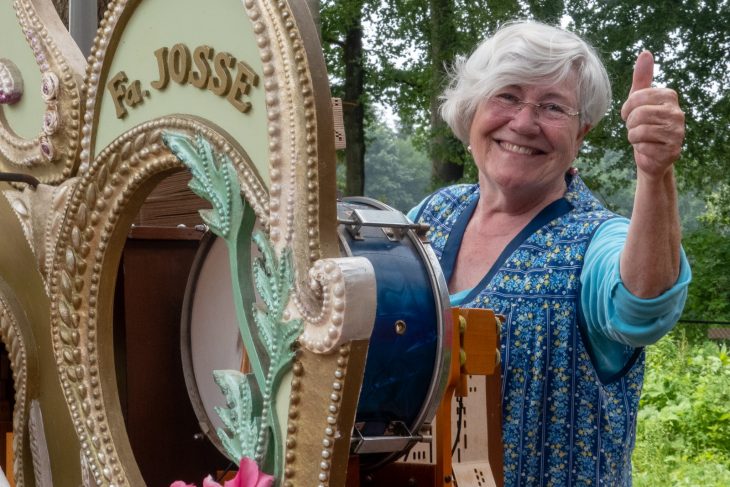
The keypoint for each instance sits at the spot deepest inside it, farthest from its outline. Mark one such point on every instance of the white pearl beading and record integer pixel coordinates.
(347, 287)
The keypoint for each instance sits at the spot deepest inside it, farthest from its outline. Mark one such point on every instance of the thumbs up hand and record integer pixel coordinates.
(654, 121)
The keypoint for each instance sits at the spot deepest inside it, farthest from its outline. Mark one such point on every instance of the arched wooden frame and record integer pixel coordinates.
(97, 221)
(297, 209)
(14, 333)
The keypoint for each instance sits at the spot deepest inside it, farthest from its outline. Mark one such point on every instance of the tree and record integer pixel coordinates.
(417, 45)
(342, 37)
(691, 44)
(397, 173)
(709, 253)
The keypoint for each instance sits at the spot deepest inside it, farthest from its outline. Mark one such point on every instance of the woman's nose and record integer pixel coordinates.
(525, 120)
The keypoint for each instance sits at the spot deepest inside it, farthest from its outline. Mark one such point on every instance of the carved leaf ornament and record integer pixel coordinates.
(236, 93)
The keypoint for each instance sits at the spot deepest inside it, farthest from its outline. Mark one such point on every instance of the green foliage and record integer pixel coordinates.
(396, 172)
(409, 45)
(683, 436)
(708, 251)
(718, 209)
(691, 45)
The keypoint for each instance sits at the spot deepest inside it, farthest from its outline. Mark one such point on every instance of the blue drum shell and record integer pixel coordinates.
(400, 367)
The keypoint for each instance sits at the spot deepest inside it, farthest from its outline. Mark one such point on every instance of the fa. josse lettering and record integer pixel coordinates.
(220, 73)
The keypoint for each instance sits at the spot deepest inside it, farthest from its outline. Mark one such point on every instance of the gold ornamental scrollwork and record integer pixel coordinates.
(84, 270)
(51, 156)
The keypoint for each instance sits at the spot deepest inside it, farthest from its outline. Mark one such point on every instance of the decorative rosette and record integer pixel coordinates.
(49, 86)
(50, 121)
(11, 82)
(47, 149)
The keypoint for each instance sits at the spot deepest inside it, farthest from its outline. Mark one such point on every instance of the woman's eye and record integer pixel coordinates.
(508, 98)
(554, 108)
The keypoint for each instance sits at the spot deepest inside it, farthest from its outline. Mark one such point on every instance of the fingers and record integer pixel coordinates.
(643, 72)
(654, 158)
(669, 115)
(649, 96)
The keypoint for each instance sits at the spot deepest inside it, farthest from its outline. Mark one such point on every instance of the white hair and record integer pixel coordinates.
(522, 53)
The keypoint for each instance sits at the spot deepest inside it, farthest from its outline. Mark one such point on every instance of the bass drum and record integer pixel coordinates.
(407, 364)
(210, 339)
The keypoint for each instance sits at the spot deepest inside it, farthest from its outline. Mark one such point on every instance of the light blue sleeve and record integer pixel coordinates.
(616, 321)
(414, 211)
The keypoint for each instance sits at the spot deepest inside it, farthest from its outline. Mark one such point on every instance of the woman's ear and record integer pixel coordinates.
(583, 131)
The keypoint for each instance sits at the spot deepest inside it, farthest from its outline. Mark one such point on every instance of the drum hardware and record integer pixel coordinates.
(400, 327)
(398, 438)
(393, 223)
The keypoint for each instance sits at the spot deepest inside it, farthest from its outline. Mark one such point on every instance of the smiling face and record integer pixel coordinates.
(520, 155)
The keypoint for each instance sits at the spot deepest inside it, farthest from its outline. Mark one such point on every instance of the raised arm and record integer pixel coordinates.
(655, 124)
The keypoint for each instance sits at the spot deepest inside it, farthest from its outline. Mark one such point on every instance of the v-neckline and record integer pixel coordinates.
(554, 210)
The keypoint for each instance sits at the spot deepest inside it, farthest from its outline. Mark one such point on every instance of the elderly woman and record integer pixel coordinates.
(582, 290)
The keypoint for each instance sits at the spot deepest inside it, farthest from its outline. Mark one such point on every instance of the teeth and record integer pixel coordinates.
(518, 148)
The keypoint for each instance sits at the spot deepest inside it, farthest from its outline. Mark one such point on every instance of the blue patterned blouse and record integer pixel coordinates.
(572, 362)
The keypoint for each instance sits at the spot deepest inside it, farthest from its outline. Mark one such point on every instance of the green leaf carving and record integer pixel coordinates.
(214, 179)
(242, 427)
(250, 425)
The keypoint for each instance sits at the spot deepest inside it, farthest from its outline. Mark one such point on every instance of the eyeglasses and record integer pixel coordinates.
(554, 114)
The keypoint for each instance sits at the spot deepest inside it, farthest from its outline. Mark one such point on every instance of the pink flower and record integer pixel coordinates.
(209, 482)
(248, 475)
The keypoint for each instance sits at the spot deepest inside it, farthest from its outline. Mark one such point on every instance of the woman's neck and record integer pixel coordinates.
(514, 204)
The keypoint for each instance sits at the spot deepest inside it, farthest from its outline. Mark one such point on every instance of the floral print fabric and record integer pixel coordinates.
(561, 425)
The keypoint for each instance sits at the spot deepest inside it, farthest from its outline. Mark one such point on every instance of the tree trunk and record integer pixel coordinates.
(353, 109)
(443, 42)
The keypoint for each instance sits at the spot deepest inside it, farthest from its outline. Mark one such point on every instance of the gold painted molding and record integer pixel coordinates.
(12, 338)
(85, 265)
(51, 156)
(76, 230)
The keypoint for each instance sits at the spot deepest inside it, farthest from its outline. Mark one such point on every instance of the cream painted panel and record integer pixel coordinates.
(222, 25)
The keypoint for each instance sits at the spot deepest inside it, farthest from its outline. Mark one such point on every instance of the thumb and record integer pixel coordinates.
(643, 72)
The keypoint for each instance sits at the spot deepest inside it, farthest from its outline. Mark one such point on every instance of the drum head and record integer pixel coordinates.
(210, 338)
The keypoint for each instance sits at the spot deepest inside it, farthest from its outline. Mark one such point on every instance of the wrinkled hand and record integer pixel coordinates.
(654, 121)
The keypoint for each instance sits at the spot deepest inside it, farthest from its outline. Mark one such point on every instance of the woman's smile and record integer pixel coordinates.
(518, 149)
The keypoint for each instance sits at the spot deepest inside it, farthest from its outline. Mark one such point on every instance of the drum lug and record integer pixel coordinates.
(393, 223)
(399, 439)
